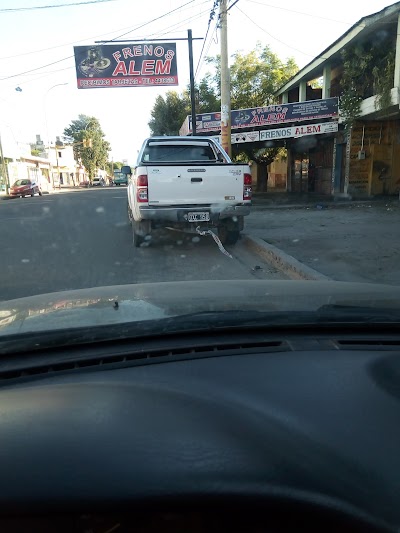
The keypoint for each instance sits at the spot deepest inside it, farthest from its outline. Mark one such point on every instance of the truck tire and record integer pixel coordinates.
(232, 237)
(138, 240)
(140, 231)
(130, 215)
(228, 234)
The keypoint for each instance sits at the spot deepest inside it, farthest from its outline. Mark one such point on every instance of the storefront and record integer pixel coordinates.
(312, 165)
(373, 153)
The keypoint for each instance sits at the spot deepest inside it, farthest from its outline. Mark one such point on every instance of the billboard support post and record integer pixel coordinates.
(192, 94)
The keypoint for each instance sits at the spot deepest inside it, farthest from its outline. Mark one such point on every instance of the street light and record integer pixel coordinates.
(47, 127)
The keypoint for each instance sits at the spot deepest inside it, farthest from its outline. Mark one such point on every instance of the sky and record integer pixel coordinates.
(36, 54)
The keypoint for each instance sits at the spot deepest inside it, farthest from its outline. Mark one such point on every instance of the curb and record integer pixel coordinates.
(319, 206)
(282, 261)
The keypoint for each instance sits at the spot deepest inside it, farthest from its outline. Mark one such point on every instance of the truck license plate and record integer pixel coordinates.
(199, 217)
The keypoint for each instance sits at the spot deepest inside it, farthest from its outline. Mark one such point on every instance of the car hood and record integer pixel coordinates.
(118, 304)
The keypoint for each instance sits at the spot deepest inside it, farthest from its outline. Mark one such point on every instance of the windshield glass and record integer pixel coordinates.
(163, 152)
(198, 145)
(21, 182)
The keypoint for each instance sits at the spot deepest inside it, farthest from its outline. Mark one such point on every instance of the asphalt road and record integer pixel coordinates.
(80, 239)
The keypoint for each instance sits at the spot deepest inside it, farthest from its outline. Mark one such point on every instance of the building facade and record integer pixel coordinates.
(362, 158)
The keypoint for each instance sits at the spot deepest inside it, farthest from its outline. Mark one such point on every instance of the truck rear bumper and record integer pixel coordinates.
(180, 214)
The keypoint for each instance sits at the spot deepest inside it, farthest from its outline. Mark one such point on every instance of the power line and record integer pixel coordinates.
(32, 8)
(37, 68)
(212, 15)
(178, 25)
(155, 19)
(384, 22)
(44, 75)
(69, 57)
(275, 38)
(300, 12)
(74, 42)
(214, 32)
(233, 4)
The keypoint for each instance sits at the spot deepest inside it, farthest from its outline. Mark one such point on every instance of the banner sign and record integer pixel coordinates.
(282, 133)
(236, 138)
(299, 131)
(273, 114)
(245, 137)
(123, 65)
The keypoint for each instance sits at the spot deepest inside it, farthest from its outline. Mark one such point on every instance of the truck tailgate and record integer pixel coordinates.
(195, 184)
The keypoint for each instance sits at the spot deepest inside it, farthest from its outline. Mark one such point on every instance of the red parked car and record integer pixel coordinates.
(25, 187)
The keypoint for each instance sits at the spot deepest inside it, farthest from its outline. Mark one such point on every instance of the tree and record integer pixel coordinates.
(90, 147)
(255, 77)
(263, 157)
(206, 97)
(168, 114)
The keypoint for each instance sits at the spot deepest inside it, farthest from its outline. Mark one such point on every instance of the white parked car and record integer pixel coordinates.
(98, 182)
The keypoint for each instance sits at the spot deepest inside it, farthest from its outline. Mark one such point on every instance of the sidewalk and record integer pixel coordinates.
(346, 240)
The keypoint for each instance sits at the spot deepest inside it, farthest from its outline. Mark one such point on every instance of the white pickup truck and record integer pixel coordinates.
(187, 184)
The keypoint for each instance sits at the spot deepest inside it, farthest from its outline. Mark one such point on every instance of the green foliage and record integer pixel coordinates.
(86, 130)
(207, 99)
(384, 80)
(350, 104)
(35, 152)
(168, 114)
(255, 77)
(376, 57)
(262, 156)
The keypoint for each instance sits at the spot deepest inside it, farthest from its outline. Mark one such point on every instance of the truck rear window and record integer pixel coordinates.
(157, 153)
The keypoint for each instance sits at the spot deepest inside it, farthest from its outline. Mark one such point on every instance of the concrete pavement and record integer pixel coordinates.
(347, 241)
(81, 238)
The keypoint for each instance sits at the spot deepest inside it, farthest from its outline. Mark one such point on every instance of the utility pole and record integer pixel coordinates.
(192, 95)
(225, 81)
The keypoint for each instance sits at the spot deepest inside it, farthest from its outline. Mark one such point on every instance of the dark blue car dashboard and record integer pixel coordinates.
(314, 431)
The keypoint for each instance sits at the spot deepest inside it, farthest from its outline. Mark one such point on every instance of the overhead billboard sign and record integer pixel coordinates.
(273, 114)
(138, 65)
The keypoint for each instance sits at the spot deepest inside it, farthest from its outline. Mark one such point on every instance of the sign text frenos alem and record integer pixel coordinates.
(299, 131)
(139, 65)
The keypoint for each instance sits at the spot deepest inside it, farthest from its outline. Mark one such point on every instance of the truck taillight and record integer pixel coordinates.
(247, 187)
(142, 188)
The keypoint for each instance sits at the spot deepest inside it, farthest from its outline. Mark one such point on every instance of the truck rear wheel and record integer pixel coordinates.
(140, 231)
(138, 240)
(231, 237)
(130, 215)
(228, 232)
